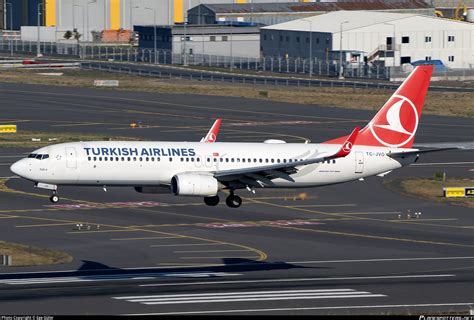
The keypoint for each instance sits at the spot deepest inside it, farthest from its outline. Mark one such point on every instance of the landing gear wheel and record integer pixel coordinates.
(54, 198)
(211, 201)
(233, 201)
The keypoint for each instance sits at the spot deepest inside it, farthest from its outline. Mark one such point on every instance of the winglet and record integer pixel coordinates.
(211, 136)
(347, 145)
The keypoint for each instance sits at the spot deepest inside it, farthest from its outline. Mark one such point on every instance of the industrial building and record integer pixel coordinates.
(372, 37)
(273, 13)
(214, 40)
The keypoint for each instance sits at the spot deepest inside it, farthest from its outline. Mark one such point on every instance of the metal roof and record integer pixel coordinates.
(317, 7)
(331, 22)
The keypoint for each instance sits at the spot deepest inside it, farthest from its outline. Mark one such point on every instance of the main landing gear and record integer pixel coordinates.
(54, 197)
(232, 200)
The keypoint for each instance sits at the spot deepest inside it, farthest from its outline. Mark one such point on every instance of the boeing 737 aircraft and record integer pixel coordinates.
(205, 169)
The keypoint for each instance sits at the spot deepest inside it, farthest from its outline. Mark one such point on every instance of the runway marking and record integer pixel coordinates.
(439, 163)
(187, 244)
(103, 231)
(115, 277)
(144, 238)
(378, 237)
(464, 304)
(417, 276)
(207, 251)
(361, 218)
(78, 124)
(261, 255)
(44, 225)
(222, 257)
(241, 296)
(382, 260)
(324, 205)
(421, 219)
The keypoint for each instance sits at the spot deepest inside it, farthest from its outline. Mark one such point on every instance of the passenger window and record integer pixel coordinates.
(182, 159)
(158, 159)
(232, 159)
(226, 159)
(238, 159)
(141, 159)
(128, 159)
(208, 159)
(215, 159)
(192, 159)
(221, 160)
(100, 158)
(260, 160)
(111, 158)
(243, 159)
(147, 159)
(88, 158)
(266, 160)
(152, 159)
(171, 159)
(123, 158)
(273, 160)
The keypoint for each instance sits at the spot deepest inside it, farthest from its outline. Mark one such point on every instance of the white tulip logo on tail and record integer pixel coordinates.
(399, 125)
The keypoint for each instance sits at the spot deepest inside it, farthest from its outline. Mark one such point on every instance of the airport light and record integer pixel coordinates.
(154, 28)
(310, 46)
(341, 76)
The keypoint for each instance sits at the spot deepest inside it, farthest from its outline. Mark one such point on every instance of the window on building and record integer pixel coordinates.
(317, 40)
(213, 38)
(428, 39)
(265, 37)
(298, 39)
(405, 60)
(224, 38)
(450, 38)
(287, 39)
(307, 39)
(281, 38)
(405, 39)
(451, 58)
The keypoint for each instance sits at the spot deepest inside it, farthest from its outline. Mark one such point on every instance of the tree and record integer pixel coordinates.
(68, 35)
(77, 35)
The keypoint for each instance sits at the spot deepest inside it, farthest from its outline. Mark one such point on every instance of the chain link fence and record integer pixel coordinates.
(290, 65)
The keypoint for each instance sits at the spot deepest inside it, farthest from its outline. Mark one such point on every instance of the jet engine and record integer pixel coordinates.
(194, 184)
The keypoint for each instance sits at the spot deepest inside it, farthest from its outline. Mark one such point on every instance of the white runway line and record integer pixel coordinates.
(133, 276)
(381, 260)
(250, 296)
(421, 305)
(300, 280)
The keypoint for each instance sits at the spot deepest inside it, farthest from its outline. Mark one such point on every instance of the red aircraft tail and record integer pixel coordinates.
(396, 123)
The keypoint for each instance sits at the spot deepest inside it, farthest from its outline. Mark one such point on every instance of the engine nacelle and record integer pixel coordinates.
(153, 189)
(194, 184)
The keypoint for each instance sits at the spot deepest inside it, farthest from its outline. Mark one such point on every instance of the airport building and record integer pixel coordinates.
(391, 39)
(274, 13)
(224, 41)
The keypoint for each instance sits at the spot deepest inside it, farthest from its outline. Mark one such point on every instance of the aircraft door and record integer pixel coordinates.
(359, 162)
(71, 159)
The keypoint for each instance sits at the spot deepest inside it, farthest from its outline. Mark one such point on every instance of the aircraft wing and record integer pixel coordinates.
(211, 136)
(262, 176)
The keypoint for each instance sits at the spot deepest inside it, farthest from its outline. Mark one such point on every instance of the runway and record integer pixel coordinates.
(344, 249)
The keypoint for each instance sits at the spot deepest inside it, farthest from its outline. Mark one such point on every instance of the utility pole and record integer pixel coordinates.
(341, 76)
(38, 44)
(154, 31)
(310, 46)
(10, 11)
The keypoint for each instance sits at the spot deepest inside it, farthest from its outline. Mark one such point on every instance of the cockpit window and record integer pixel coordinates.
(38, 156)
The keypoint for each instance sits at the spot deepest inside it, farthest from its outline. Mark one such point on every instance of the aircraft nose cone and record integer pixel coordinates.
(19, 168)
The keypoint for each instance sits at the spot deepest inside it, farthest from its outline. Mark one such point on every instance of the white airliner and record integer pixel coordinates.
(205, 169)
